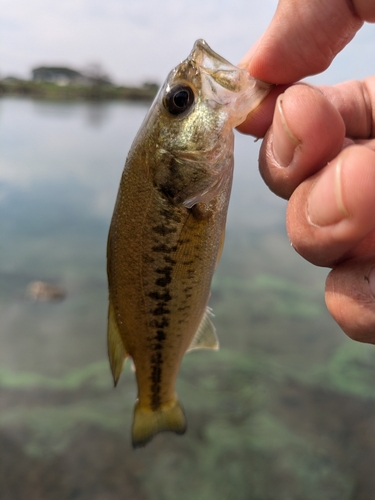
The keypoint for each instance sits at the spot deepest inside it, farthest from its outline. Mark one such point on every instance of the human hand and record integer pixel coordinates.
(319, 150)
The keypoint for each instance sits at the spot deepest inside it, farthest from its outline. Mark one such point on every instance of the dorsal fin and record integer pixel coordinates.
(206, 337)
(116, 350)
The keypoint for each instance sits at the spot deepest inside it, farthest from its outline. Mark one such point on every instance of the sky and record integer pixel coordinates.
(142, 40)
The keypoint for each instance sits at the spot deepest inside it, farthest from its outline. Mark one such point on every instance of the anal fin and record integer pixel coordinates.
(116, 351)
(206, 337)
(147, 422)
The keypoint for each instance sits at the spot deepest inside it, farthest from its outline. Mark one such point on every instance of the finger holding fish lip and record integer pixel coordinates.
(305, 156)
(259, 119)
(306, 133)
(330, 213)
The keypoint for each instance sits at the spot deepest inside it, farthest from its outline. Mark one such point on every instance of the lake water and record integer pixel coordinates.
(286, 408)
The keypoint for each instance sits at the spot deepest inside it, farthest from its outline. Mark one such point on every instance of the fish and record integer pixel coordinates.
(167, 230)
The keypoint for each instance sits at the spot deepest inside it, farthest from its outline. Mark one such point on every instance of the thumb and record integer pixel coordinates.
(304, 37)
(350, 298)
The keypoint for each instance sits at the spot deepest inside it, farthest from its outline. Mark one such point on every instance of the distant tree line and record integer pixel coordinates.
(61, 75)
(60, 82)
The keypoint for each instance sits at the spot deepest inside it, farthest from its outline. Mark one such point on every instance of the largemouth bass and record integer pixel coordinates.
(167, 230)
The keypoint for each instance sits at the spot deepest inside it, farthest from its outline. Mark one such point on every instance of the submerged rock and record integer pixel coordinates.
(45, 292)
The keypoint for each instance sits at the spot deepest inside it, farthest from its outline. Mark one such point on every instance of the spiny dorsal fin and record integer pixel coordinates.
(116, 350)
(205, 338)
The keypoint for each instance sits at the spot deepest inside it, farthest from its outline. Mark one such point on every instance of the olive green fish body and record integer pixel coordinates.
(167, 230)
(165, 256)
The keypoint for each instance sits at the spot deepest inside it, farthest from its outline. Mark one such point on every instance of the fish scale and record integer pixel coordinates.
(167, 230)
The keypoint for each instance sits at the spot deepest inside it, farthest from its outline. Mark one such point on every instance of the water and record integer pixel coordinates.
(274, 412)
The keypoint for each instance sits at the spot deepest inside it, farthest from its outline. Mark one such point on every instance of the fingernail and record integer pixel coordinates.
(325, 205)
(284, 141)
(371, 280)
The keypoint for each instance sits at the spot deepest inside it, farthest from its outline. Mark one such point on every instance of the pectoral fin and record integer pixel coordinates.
(116, 350)
(206, 337)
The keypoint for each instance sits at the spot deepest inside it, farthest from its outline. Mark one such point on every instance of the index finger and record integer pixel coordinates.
(354, 100)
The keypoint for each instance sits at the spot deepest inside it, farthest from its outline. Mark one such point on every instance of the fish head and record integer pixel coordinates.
(191, 124)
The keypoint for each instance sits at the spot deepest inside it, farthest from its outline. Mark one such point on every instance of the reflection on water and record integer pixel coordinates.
(284, 410)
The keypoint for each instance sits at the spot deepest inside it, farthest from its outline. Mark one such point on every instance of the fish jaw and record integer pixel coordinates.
(219, 83)
(228, 85)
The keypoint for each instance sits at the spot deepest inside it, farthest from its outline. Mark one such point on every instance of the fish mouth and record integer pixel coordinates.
(226, 84)
(219, 83)
(222, 71)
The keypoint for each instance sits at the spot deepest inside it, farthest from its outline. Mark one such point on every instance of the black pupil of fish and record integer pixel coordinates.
(179, 100)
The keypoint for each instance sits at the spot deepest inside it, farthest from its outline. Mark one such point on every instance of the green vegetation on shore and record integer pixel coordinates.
(50, 90)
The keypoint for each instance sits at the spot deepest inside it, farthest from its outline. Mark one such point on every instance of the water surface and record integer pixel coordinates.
(273, 413)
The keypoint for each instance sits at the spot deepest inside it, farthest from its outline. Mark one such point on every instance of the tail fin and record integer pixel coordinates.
(147, 422)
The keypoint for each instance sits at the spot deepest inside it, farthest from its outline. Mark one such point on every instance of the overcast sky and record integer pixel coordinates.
(141, 40)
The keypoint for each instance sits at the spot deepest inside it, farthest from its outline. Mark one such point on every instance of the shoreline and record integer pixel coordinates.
(51, 91)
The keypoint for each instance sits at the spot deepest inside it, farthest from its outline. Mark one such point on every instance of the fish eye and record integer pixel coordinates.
(179, 99)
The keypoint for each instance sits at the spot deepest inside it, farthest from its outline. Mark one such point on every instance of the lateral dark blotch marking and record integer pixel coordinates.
(170, 260)
(163, 230)
(163, 248)
(163, 281)
(165, 296)
(156, 359)
(157, 347)
(187, 262)
(169, 191)
(156, 372)
(166, 279)
(164, 322)
(175, 183)
(164, 270)
(160, 310)
(160, 335)
(170, 214)
(188, 288)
